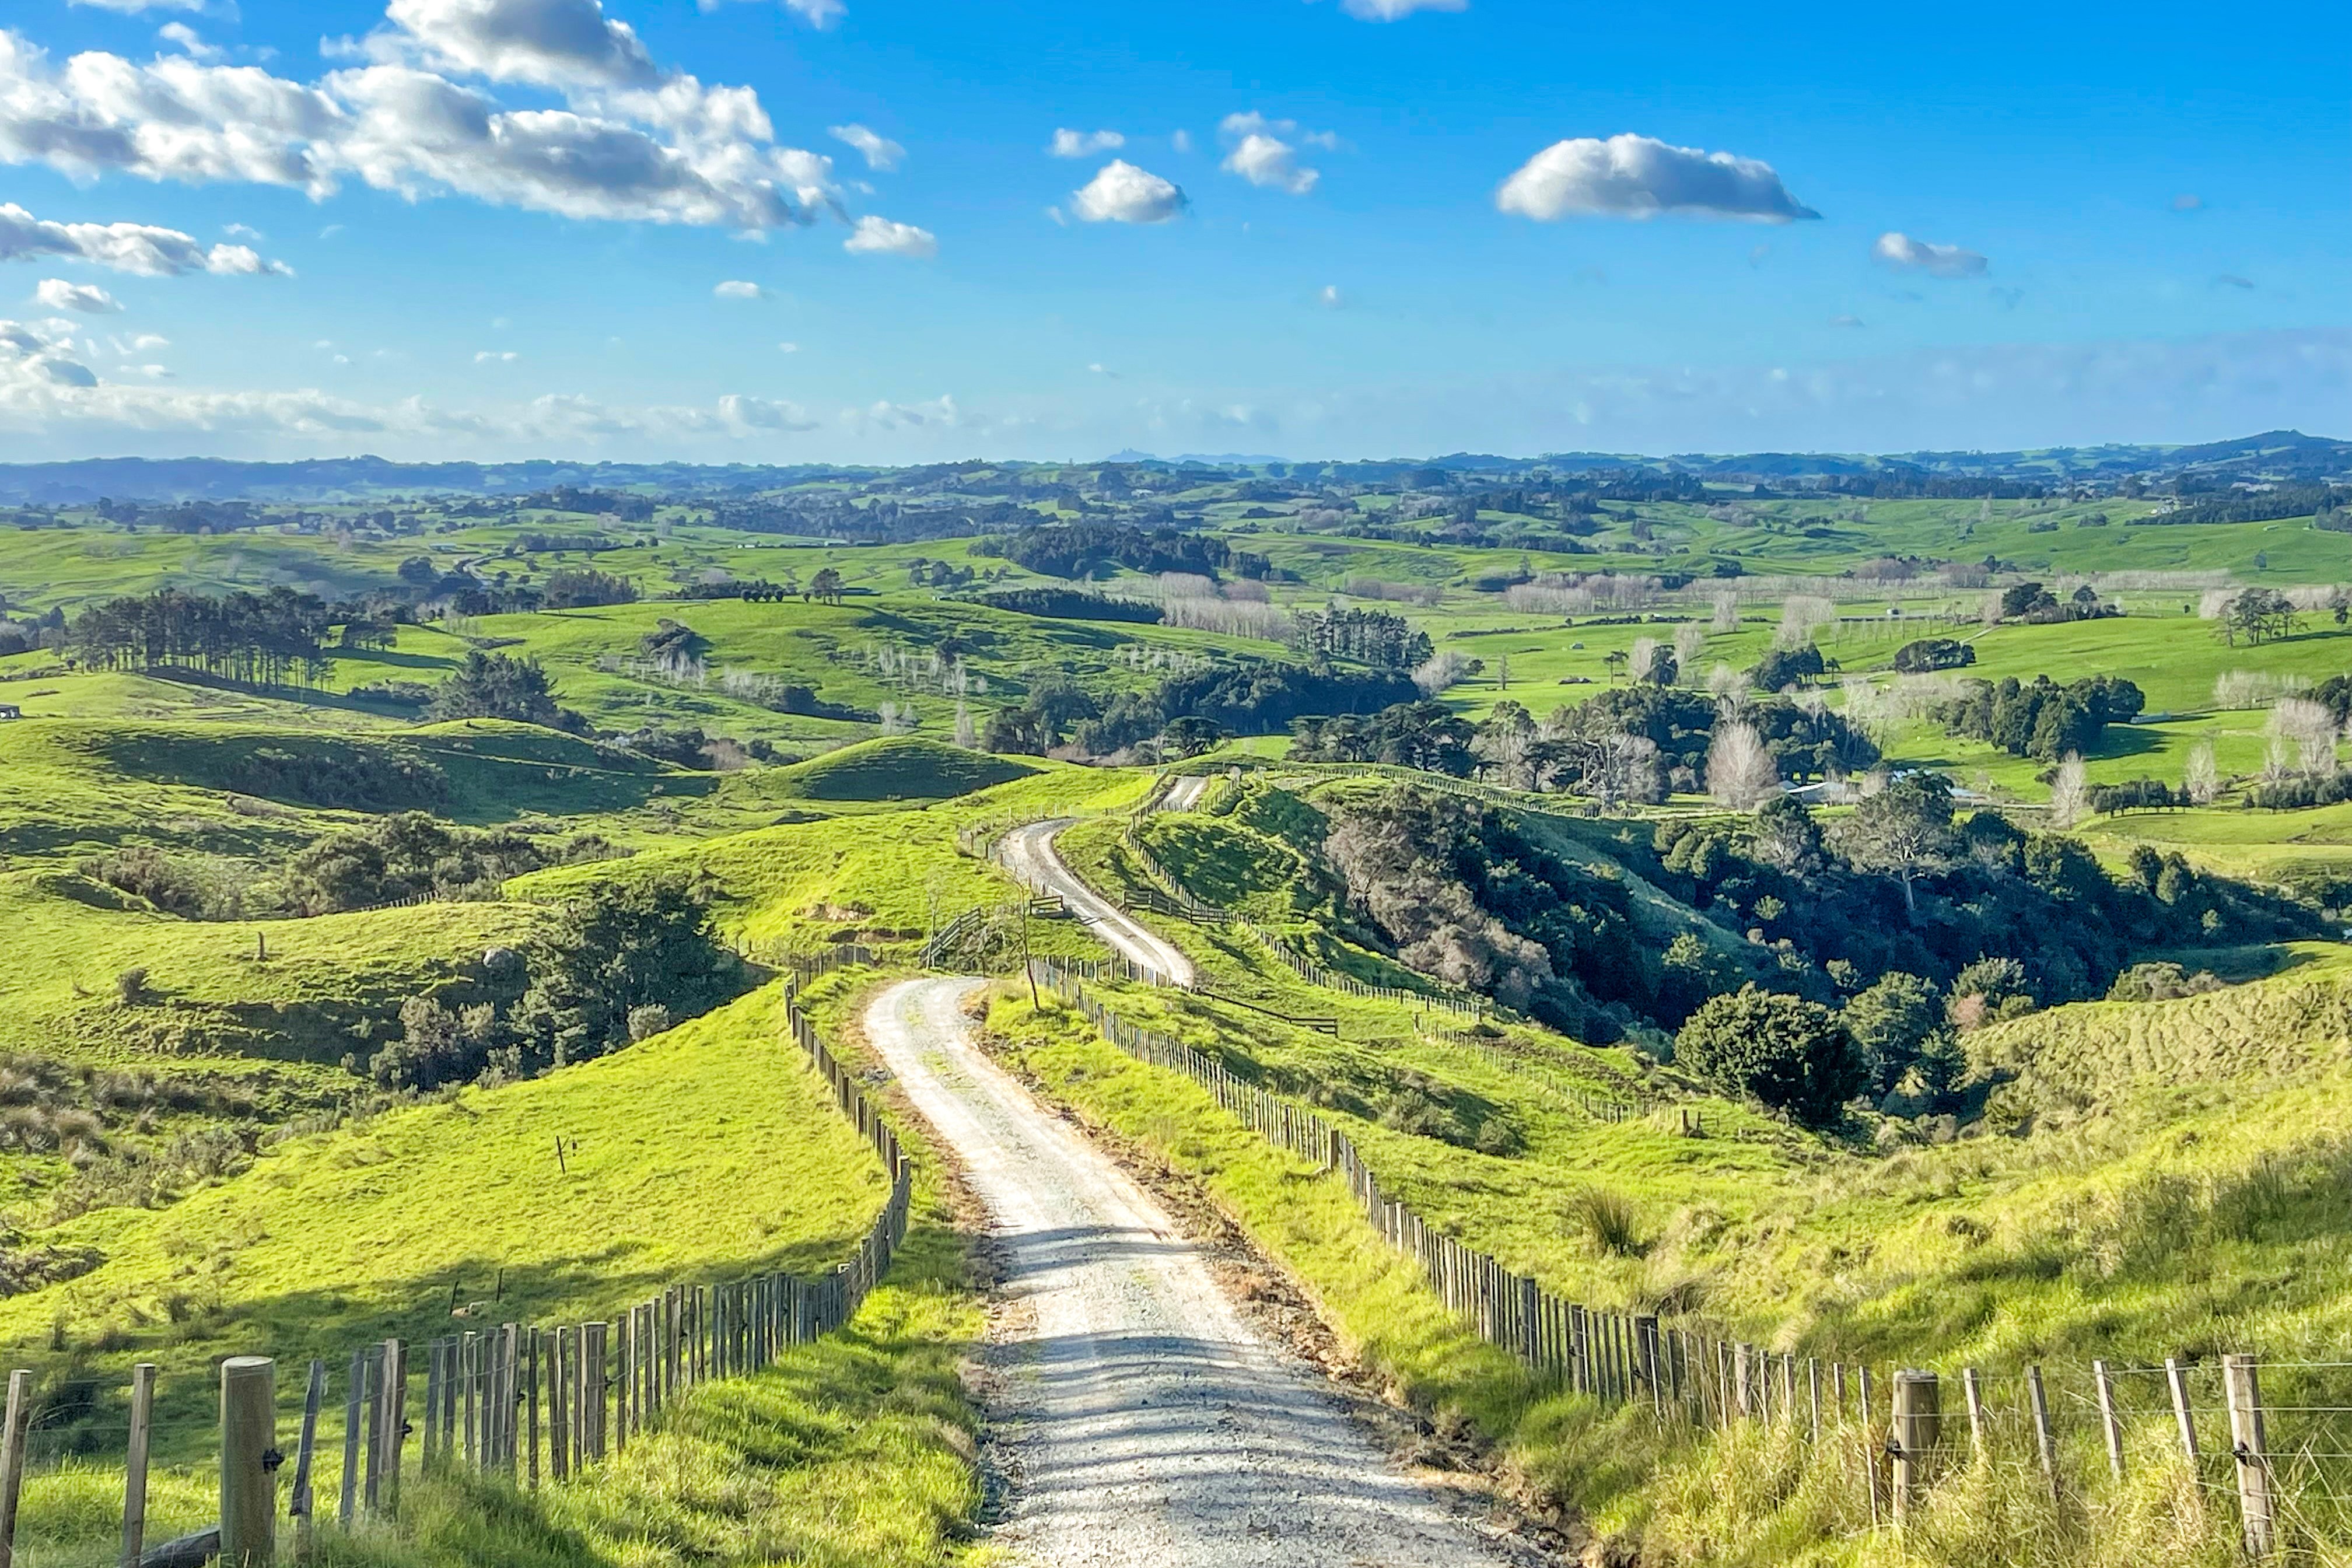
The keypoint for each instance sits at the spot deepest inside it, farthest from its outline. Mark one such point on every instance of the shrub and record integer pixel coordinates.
(1784, 667)
(132, 985)
(2161, 983)
(1793, 1055)
(1931, 653)
(647, 1021)
(1609, 1220)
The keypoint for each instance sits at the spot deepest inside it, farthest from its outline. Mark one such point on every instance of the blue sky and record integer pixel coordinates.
(838, 230)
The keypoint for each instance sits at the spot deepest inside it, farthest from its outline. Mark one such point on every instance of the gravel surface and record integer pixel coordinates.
(1185, 792)
(1028, 854)
(1138, 1421)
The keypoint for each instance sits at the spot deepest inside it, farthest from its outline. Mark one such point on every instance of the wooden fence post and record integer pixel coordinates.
(395, 1418)
(559, 1455)
(304, 1507)
(134, 1467)
(2176, 1378)
(1814, 1392)
(2112, 1427)
(1975, 1392)
(353, 1398)
(371, 1440)
(248, 1477)
(2249, 1445)
(12, 1460)
(2044, 1444)
(1918, 1419)
(530, 1384)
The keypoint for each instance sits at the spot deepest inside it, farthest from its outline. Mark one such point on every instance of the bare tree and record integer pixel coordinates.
(1690, 641)
(1727, 614)
(2203, 778)
(2070, 794)
(2310, 728)
(1802, 615)
(1444, 669)
(1726, 686)
(1646, 656)
(1740, 772)
(967, 733)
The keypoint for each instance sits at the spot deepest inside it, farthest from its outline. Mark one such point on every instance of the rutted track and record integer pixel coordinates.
(1028, 853)
(1142, 1422)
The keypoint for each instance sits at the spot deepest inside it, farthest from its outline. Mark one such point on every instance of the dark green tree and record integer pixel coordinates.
(498, 686)
(634, 944)
(1891, 1023)
(1904, 831)
(1790, 1053)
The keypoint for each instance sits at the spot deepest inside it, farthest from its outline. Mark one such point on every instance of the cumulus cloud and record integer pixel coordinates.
(1901, 250)
(879, 151)
(1122, 192)
(89, 299)
(124, 247)
(1084, 144)
(817, 14)
(880, 237)
(1260, 154)
(634, 140)
(738, 289)
(182, 37)
(1639, 177)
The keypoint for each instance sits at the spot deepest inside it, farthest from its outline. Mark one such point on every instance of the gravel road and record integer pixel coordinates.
(1028, 854)
(1185, 792)
(1139, 1421)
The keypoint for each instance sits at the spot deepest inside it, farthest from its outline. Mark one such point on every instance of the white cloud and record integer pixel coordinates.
(1331, 296)
(1122, 192)
(633, 143)
(738, 288)
(1922, 255)
(87, 298)
(1846, 322)
(186, 40)
(1639, 177)
(1261, 155)
(1182, 140)
(1396, 10)
(124, 247)
(817, 14)
(879, 151)
(1085, 144)
(788, 347)
(134, 7)
(880, 237)
(940, 413)
(486, 356)
(759, 414)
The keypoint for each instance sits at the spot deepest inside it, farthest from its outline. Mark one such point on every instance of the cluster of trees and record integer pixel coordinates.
(2261, 615)
(2040, 720)
(2258, 506)
(1071, 605)
(1930, 655)
(582, 588)
(594, 503)
(1637, 745)
(1245, 697)
(414, 855)
(499, 686)
(1907, 925)
(1425, 735)
(1376, 637)
(925, 572)
(2037, 606)
(1786, 666)
(631, 961)
(271, 638)
(1074, 549)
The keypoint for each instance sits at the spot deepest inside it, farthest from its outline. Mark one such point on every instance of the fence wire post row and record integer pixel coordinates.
(601, 1384)
(1686, 1377)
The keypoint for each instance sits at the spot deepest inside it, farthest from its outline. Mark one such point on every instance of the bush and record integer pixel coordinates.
(1609, 1220)
(498, 686)
(1793, 1055)
(131, 986)
(647, 1021)
(2161, 983)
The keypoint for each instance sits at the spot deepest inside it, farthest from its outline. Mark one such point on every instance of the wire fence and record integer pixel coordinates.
(2267, 1444)
(529, 1403)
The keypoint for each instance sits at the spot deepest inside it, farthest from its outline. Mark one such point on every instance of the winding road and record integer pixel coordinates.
(1139, 1421)
(1029, 854)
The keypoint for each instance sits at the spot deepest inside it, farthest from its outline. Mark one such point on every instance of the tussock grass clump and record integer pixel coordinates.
(1610, 1220)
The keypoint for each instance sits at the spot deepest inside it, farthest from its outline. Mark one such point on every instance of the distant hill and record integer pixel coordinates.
(2275, 455)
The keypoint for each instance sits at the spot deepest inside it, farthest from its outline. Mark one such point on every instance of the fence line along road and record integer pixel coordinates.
(527, 1403)
(1896, 1429)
